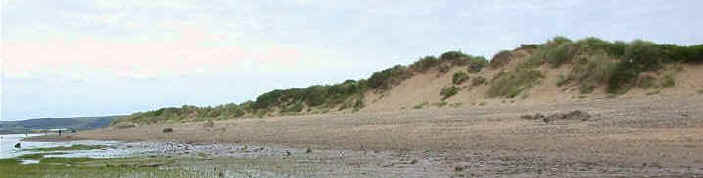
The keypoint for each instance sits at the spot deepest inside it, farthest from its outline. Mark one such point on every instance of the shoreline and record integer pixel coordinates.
(637, 137)
(618, 139)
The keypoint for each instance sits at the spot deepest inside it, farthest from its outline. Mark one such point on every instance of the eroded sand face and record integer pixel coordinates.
(624, 137)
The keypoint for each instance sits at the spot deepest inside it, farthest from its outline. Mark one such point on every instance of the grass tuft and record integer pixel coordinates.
(513, 83)
(421, 105)
(449, 92)
(668, 81)
(459, 77)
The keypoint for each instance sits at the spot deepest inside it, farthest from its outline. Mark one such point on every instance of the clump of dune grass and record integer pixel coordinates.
(511, 84)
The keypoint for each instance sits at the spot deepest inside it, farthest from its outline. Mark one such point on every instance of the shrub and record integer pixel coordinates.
(454, 58)
(231, 110)
(591, 71)
(344, 106)
(623, 77)
(268, 99)
(563, 80)
(167, 130)
(558, 40)
(358, 104)
(389, 77)
(534, 60)
(674, 53)
(557, 55)
(459, 77)
(447, 92)
(644, 55)
(444, 68)
(592, 44)
(500, 59)
(586, 88)
(617, 49)
(478, 80)
(694, 54)
(513, 83)
(421, 105)
(441, 103)
(313, 96)
(297, 107)
(425, 63)
(668, 81)
(653, 92)
(639, 56)
(647, 82)
(476, 64)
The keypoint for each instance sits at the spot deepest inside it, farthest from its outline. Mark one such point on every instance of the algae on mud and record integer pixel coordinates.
(94, 167)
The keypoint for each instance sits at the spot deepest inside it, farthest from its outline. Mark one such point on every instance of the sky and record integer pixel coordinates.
(106, 57)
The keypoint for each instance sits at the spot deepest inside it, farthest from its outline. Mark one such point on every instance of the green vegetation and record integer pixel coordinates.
(388, 78)
(653, 92)
(563, 80)
(591, 71)
(358, 104)
(297, 107)
(647, 81)
(668, 81)
(88, 167)
(513, 83)
(444, 68)
(315, 98)
(617, 66)
(642, 56)
(421, 105)
(425, 64)
(476, 64)
(447, 92)
(459, 77)
(440, 104)
(501, 59)
(593, 45)
(559, 53)
(478, 80)
(69, 148)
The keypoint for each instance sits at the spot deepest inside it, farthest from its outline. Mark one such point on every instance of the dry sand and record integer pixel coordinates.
(656, 135)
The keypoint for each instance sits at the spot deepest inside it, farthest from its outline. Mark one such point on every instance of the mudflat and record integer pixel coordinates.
(646, 136)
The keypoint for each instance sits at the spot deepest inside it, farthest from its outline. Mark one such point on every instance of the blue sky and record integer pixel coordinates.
(103, 57)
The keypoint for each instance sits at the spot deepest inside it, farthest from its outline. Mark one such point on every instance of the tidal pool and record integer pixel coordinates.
(113, 149)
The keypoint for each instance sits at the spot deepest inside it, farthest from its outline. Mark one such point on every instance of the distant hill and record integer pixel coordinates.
(79, 123)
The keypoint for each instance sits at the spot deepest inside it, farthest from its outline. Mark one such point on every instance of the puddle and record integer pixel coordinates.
(29, 161)
(115, 149)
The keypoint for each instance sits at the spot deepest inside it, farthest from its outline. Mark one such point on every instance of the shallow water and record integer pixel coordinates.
(116, 149)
